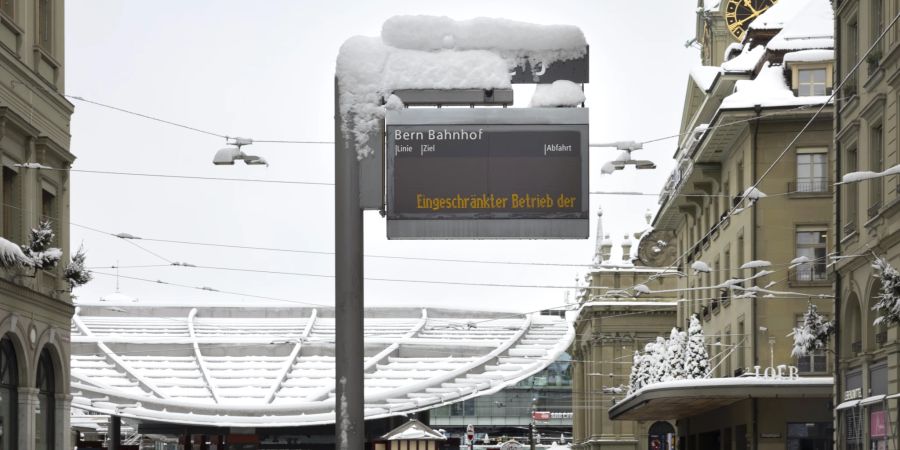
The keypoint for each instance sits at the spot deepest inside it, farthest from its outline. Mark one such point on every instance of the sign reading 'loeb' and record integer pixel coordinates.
(484, 171)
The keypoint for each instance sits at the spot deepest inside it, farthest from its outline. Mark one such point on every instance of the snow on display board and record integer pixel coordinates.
(426, 52)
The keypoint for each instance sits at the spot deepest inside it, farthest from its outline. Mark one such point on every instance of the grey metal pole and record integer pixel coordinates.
(114, 433)
(348, 291)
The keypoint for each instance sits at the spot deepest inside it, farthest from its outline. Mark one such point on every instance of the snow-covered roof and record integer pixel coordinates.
(811, 27)
(778, 15)
(768, 89)
(746, 61)
(258, 367)
(704, 76)
(413, 430)
(806, 56)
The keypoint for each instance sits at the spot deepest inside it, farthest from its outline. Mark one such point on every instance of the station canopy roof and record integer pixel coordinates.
(274, 367)
(685, 398)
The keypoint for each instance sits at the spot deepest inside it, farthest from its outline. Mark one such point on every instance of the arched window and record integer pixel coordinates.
(43, 417)
(9, 384)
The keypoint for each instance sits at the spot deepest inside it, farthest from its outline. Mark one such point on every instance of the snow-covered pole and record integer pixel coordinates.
(348, 291)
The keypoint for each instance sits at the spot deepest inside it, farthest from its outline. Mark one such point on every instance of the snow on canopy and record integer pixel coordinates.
(558, 93)
(266, 367)
(426, 52)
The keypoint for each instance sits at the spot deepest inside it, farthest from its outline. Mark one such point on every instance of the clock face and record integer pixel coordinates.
(739, 14)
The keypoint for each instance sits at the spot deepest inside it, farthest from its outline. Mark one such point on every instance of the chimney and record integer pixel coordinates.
(626, 249)
(605, 248)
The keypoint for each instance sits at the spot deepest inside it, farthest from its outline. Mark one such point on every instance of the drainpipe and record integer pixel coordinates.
(753, 147)
(757, 109)
(838, 229)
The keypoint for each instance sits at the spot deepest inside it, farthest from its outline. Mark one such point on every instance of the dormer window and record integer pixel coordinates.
(811, 82)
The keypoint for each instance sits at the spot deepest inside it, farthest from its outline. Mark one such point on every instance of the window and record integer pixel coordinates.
(810, 82)
(812, 435)
(851, 191)
(8, 7)
(815, 361)
(46, 407)
(12, 205)
(741, 339)
(852, 53)
(876, 163)
(811, 244)
(49, 211)
(877, 21)
(45, 25)
(465, 408)
(812, 171)
(9, 384)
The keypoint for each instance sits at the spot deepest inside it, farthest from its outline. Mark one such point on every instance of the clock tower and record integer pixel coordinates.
(721, 23)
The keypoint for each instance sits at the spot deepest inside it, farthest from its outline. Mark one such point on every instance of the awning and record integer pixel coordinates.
(686, 398)
(847, 404)
(872, 399)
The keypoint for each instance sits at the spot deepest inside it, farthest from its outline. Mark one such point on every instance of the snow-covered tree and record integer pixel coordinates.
(76, 274)
(39, 251)
(633, 380)
(675, 349)
(888, 298)
(696, 359)
(659, 369)
(644, 372)
(813, 334)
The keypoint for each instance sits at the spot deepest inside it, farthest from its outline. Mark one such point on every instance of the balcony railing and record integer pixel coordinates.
(724, 297)
(809, 186)
(815, 273)
(881, 337)
(705, 312)
(873, 210)
(849, 228)
(856, 347)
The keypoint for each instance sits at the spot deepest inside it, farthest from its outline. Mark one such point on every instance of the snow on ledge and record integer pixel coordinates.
(809, 56)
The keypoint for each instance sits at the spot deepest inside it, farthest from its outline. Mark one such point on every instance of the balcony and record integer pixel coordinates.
(705, 313)
(816, 187)
(714, 306)
(881, 337)
(724, 297)
(849, 228)
(873, 210)
(856, 347)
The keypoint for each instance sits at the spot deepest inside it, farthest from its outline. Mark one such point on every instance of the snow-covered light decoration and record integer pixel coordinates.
(888, 297)
(700, 267)
(696, 359)
(76, 274)
(41, 255)
(756, 264)
(813, 334)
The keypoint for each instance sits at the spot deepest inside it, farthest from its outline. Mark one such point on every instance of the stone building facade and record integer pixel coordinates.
(868, 224)
(35, 308)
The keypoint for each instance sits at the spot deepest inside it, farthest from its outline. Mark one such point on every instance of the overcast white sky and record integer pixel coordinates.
(265, 70)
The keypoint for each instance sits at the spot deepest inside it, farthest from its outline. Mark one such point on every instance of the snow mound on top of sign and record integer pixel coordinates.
(426, 52)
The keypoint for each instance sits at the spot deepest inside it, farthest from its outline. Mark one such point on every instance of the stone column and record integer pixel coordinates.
(28, 402)
(62, 434)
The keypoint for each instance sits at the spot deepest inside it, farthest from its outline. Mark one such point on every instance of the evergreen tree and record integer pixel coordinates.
(660, 370)
(76, 274)
(41, 255)
(633, 380)
(888, 298)
(813, 334)
(675, 349)
(696, 359)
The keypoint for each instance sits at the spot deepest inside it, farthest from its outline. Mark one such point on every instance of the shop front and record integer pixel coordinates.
(738, 413)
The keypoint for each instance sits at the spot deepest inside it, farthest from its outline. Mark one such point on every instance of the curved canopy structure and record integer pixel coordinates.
(274, 367)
